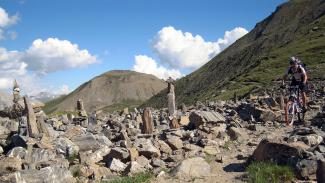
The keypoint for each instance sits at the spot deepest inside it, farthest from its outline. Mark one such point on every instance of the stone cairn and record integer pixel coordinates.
(172, 104)
(147, 125)
(82, 117)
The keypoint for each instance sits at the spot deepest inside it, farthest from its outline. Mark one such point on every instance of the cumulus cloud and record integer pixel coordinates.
(41, 58)
(53, 55)
(148, 65)
(63, 90)
(183, 50)
(5, 21)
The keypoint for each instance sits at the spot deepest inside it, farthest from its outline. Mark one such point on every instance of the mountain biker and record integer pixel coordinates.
(299, 78)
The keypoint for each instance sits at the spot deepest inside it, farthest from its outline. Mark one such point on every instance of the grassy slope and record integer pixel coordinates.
(252, 66)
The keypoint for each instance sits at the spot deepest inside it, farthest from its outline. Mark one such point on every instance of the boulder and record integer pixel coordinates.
(17, 152)
(175, 143)
(66, 147)
(133, 168)
(51, 174)
(116, 165)
(193, 167)
(197, 118)
(86, 142)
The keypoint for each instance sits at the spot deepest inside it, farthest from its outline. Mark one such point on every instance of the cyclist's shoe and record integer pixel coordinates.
(304, 109)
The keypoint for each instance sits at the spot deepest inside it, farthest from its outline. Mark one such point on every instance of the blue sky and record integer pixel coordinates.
(115, 31)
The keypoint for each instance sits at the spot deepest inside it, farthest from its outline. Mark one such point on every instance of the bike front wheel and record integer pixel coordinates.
(290, 113)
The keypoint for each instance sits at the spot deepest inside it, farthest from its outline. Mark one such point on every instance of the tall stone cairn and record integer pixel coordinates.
(147, 123)
(80, 109)
(171, 97)
(31, 119)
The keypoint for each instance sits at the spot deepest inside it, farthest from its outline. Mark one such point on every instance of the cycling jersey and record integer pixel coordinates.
(297, 74)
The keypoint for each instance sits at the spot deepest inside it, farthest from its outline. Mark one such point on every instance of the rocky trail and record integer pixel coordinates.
(212, 141)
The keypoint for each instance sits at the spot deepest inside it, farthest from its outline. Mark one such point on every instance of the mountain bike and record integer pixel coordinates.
(293, 107)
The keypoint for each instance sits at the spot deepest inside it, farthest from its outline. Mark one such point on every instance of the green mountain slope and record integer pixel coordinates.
(252, 62)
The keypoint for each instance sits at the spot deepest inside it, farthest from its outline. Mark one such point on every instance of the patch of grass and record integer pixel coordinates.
(131, 104)
(72, 157)
(138, 178)
(265, 172)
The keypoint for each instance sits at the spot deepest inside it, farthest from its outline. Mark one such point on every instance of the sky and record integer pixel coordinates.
(57, 45)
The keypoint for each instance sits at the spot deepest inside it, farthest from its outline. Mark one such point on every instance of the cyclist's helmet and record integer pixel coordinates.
(294, 60)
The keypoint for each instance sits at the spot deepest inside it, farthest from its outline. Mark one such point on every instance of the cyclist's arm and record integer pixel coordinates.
(285, 76)
(304, 75)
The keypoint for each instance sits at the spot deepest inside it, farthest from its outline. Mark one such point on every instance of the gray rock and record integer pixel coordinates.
(192, 167)
(66, 147)
(116, 165)
(236, 133)
(86, 142)
(144, 162)
(4, 132)
(155, 162)
(1, 150)
(18, 152)
(133, 168)
(306, 168)
(312, 140)
(147, 149)
(198, 118)
(320, 173)
(41, 155)
(175, 143)
(51, 174)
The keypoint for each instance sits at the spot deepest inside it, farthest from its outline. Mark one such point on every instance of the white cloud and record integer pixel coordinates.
(41, 58)
(183, 50)
(148, 65)
(53, 55)
(6, 20)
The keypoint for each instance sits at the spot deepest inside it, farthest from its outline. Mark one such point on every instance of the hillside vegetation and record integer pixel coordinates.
(261, 56)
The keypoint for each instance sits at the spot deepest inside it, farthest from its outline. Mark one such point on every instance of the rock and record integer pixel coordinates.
(31, 119)
(133, 153)
(305, 168)
(236, 133)
(1, 150)
(74, 131)
(10, 164)
(4, 133)
(155, 162)
(193, 167)
(175, 143)
(174, 123)
(277, 151)
(144, 162)
(17, 152)
(51, 174)
(86, 142)
(148, 150)
(320, 173)
(211, 150)
(221, 127)
(312, 140)
(116, 165)
(163, 147)
(147, 125)
(66, 147)
(184, 120)
(98, 155)
(41, 155)
(198, 118)
(118, 153)
(268, 115)
(133, 168)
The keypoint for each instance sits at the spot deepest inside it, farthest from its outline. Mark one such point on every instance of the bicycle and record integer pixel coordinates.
(293, 107)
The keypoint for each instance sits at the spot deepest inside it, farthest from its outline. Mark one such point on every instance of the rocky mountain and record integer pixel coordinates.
(251, 64)
(111, 90)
